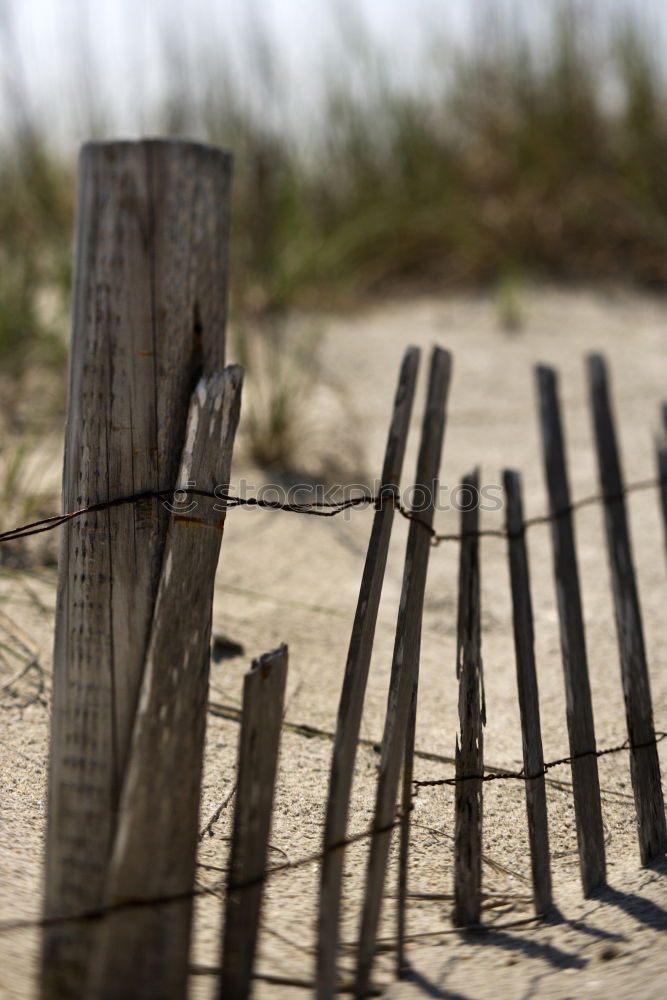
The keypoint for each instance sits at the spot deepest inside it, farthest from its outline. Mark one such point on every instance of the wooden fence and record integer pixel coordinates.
(152, 411)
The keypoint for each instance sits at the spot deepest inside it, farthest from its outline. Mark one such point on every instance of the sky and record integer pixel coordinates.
(56, 53)
(117, 43)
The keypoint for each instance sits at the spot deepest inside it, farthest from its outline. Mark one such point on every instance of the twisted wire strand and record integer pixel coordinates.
(326, 508)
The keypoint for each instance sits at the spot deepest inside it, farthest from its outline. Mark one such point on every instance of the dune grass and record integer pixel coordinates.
(516, 158)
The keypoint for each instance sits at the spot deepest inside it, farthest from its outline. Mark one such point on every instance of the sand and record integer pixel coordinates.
(288, 578)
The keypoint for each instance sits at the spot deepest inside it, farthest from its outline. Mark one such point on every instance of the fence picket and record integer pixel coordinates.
(644, 763)
(405, 664)
(581, 730)
(402, 964)
(472, 718)
(259, 739)
(354, 682)
(661, 457)
(529, 705)
(143, 953)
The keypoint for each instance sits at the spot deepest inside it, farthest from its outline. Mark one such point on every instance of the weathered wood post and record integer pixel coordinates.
(141, 953)
(259, 741)
(472, 718)
(149, 307)
(644, 763)
(405, 661)
(407, 800)
(579, 705)
(661, 459)
(529, 704)
(354, 682)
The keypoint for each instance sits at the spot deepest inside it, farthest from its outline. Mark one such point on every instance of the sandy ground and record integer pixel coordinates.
(295, 579)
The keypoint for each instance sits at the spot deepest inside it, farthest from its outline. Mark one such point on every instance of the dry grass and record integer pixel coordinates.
(512, 160)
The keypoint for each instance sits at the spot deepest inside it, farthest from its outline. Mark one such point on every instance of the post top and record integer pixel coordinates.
(113, 148)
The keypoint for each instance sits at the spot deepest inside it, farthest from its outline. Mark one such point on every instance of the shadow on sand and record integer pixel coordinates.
(641, 909)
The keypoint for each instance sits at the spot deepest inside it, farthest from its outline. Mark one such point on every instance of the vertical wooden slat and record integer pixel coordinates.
(149, 307)
(405, 664)
(529, 706)
(581, 730)
(142, 953)
(354, 682)
(402, 964)
(661, 457)
(470, 751)
(644, 763)
(263, 696)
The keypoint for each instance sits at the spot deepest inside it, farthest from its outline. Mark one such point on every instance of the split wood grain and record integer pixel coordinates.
(149, 306)
(579, 707)
(405, 663)
(354, 682)
(142, 953)
(529, 705)
(644, 763)
(469, 751)
(263, 697)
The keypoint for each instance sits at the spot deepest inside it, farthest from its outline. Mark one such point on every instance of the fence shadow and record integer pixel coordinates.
(634, 904)
(555, 956)
(556, 917)
(430, 989)
(642, 910)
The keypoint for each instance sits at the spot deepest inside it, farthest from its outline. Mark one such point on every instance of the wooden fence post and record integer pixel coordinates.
(472, 718)
(263, 695)
(581, 730)
(354, 683)
(142, 953)
(148, 320)
(407, 793)
(661, 456)
(644, 763)
(529, 705)
(405, 664)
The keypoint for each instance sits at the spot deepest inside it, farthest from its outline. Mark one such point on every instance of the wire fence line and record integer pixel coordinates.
(99, 913)
(233, 714)
(522, 776)
(326, 508)
(322, 508)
